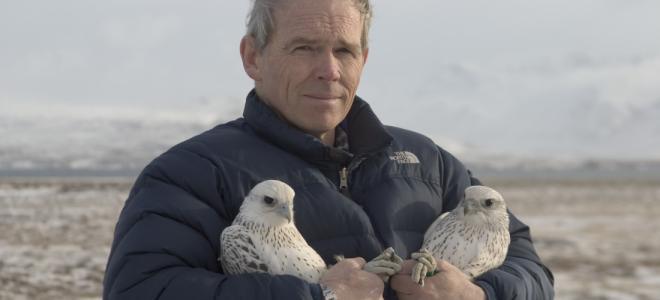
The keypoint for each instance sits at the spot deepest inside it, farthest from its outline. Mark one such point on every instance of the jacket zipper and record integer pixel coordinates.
(343, 181)
(345, 171)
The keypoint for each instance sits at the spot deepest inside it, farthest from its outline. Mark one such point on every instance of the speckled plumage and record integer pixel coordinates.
(474, 236)
(263, 237)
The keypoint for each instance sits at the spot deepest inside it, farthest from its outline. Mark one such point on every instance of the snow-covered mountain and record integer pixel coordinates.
(75, 140)
(570, 108)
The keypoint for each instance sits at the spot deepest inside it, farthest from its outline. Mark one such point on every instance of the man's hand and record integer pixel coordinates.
(349, 281)
(384, 265)
(449, 283)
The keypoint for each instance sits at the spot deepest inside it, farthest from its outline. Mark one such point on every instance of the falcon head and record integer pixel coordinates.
(269, 202)
(484, 205)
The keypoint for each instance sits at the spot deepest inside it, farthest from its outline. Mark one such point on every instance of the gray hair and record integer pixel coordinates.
(260, 21)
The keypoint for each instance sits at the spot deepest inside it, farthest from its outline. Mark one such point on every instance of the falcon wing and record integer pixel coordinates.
(238, 253)
(435, 226)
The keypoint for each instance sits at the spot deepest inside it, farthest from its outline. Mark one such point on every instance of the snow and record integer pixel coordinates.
(598, 237)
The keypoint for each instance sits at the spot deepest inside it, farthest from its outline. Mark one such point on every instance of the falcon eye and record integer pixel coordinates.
(488, 202)
(268, 200)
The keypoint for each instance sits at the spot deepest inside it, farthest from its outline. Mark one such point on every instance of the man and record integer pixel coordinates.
(360, 186)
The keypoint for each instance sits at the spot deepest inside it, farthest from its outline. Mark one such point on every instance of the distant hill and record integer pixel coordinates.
(74, 141)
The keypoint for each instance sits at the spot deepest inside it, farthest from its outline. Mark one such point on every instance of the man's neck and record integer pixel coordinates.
(327, 138)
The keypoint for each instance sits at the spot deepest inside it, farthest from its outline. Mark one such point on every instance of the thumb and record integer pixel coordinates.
(355, 262)
(407, 266)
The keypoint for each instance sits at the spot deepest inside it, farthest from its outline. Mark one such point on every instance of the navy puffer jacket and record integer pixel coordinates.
(167, 238)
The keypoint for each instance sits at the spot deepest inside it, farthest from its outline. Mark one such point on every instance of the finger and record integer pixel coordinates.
(422, 275)
(416, 272)
(385, 264)
(396, 259)
(375, 261)
(426, 258)
(403, 284)
(380, 270)
(418, 255)
(383, 256)
(356, 262)
(338, 258)
(407, 266)
(386, 255)
(429, 264)
(393, 265)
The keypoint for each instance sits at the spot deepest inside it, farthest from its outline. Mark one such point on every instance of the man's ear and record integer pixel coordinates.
(249, 55)
(365, 55)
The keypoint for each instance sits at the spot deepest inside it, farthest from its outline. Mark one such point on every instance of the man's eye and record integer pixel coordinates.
(344, 51)
(303, 48)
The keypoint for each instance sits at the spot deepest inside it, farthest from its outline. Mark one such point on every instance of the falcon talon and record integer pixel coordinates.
(338, 258)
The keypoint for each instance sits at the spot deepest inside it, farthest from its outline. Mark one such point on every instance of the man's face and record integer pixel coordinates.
(311, 67)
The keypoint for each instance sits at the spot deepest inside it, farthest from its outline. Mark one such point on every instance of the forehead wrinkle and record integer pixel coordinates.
(313, 26)
(322, 21)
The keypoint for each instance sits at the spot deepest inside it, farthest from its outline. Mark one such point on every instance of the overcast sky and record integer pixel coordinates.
(471, 73)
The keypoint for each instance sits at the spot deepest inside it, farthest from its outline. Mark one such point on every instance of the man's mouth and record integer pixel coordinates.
(322, 97)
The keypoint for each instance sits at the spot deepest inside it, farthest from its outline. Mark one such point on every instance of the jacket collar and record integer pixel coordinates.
(366, 134)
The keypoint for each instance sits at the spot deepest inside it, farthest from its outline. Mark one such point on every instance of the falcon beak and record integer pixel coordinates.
(285, 212)
(469, 206)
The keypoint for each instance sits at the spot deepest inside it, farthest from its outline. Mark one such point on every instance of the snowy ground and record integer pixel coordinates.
(600, 238)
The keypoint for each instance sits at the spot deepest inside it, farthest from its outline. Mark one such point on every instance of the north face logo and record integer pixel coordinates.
(405, 157)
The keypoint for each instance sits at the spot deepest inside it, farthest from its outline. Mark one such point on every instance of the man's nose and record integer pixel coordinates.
(328, 67)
